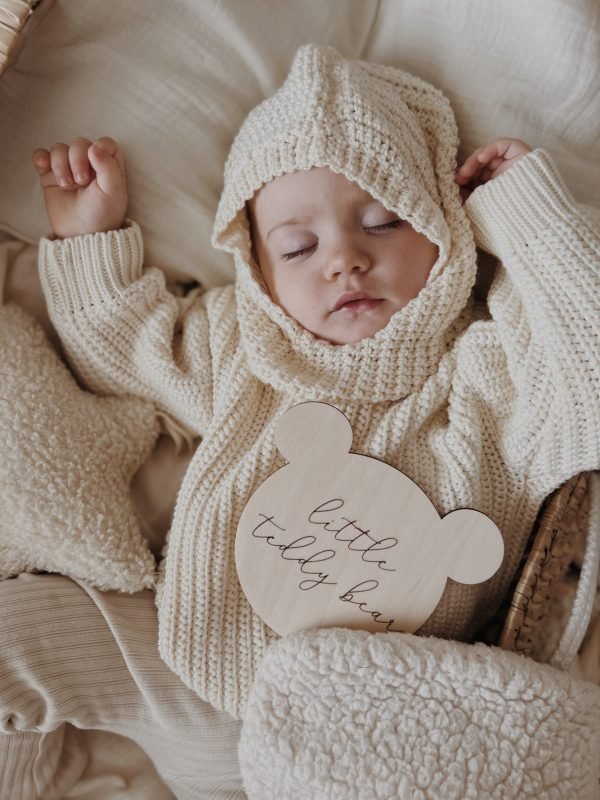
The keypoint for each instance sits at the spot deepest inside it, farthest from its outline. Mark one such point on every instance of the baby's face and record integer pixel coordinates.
(332, 257)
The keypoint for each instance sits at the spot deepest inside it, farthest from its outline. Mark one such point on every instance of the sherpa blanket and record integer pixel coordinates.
(360, 716)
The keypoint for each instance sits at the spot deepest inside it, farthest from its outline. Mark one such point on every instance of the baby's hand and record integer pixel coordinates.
(487, 162)
(84, 186)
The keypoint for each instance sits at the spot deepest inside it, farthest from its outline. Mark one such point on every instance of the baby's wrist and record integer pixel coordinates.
(520, 205)
(97, 266)
(58, 236)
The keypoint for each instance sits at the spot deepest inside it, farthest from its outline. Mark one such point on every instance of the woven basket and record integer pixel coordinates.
(541, 600)
(15, 19)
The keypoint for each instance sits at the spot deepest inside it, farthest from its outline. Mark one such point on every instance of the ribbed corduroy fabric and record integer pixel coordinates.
(72, 654)
(486, 411)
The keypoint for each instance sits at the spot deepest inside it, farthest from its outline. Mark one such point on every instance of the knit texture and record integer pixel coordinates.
(486, 411)
(395, 136)
(67, 461)
(347, 715)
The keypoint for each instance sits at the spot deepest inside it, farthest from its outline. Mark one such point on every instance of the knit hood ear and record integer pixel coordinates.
(395, 136)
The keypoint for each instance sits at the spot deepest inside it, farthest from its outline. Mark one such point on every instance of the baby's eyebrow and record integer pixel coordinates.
(300, 219)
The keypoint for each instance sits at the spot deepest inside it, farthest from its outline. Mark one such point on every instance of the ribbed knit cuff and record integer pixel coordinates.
(88, 270)
(516, 207)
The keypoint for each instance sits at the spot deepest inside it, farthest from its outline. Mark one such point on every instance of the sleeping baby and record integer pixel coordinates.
(354, 240)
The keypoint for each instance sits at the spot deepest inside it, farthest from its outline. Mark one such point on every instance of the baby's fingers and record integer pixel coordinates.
(490, 160)
(59, 162)
(56, 166)
(484, 161)
(53, 167)
(469, 170)
(41, 162)
(106, 159)
(79, 161)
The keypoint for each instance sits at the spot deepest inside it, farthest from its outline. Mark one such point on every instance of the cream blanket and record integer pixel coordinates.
(358, 716)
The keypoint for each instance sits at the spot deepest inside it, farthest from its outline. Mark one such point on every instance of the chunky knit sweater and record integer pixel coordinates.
(491, 410)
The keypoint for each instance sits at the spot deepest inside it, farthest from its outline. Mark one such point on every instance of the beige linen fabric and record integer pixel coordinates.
(176, 80)
(527, 70)
(71, 654)
(172, 82)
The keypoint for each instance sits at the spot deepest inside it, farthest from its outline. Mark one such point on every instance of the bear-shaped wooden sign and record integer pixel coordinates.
(335, 538)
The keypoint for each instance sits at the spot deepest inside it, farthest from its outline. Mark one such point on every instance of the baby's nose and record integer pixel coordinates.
(345, 260)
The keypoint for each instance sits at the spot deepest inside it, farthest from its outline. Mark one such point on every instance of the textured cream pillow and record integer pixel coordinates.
(67, 458)
(172, 83)
(529, 70)
(348, 714)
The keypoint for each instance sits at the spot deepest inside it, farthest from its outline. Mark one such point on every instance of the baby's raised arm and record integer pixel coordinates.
(122, 330)
(544, 305)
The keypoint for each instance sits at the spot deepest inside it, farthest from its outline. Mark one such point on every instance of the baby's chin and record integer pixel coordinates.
(352, 330)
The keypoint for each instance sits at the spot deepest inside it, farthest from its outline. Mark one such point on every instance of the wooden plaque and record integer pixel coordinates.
(335, 538)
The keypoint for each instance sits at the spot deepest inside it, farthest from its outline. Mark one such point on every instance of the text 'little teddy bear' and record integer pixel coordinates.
(335, 538)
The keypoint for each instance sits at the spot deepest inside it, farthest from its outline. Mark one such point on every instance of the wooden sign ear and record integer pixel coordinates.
(476, 547)
(313, 431)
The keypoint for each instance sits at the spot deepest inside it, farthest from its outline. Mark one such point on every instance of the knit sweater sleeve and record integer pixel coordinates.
(545, 303)
(123, 332)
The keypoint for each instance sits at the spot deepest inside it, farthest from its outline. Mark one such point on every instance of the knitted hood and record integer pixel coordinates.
(395, 136)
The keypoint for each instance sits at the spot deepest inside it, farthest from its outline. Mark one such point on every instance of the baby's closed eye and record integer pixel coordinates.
(375, 217)
(298, 245)
(300, 252)
(385, 226)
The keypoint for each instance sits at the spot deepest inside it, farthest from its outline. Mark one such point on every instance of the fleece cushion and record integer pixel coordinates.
(350, 715)
(67, 460)
(172, 83)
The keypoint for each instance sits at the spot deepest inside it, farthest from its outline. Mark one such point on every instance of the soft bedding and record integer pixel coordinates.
(523, 730)
(68, 462)
(173, 81)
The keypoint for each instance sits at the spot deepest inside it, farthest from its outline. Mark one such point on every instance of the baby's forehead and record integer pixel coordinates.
(308, 189)
(311, 178)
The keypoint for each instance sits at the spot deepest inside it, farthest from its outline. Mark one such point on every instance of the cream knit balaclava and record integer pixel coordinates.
(395, 136)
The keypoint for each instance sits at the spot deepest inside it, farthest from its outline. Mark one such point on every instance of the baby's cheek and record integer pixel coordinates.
(434, 254)
(424, 250)
(423, 258)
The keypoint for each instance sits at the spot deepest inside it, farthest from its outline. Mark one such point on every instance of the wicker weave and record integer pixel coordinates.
(545, 589)
(15, 17)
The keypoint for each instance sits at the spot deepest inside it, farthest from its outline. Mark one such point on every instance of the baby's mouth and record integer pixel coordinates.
(356, 301)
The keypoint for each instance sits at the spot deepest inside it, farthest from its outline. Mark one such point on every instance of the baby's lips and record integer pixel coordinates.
(350, 297)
